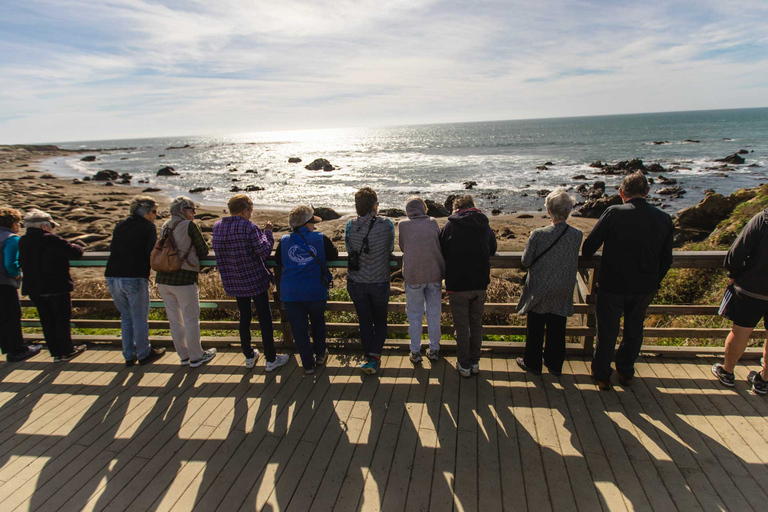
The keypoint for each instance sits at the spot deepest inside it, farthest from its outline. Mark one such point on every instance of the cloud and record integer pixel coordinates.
(75, 69)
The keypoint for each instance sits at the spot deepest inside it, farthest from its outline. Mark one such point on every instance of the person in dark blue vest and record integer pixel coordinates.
(304, 283)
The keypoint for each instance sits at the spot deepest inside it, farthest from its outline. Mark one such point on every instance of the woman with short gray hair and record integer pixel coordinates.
(551, 256)
(179, 289)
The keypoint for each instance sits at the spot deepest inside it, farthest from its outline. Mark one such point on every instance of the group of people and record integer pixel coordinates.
(636, 240)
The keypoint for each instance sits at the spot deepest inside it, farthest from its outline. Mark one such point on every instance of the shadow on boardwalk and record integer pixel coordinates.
(95, 435)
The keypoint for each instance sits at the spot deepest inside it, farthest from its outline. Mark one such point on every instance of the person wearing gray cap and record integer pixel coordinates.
(44, 260)
(304, 284)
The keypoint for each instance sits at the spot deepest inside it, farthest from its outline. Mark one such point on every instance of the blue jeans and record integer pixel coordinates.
(371, 303)
(131, 296)
(301, 314)
(416, 296)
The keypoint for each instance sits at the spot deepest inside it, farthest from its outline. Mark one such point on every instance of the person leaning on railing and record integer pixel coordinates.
(552, 258)
(304, 283)
(423, 271)
(370, 240)
(11, 339)
(637, 253)
(44, 260)
(467, 242)
(745, 300)
(127, 276)
(179, 289)
(241, 251)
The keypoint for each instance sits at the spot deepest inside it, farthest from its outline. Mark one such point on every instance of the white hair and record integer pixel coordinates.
(559, 204)
(179, 204)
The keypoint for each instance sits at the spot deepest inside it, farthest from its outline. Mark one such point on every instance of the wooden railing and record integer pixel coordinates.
(584, 309)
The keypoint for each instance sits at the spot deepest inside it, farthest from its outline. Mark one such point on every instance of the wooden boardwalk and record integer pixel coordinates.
(94, 435)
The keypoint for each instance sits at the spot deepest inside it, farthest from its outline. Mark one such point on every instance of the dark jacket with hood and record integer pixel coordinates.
(44, 260)
(467, 243)
(747, 259)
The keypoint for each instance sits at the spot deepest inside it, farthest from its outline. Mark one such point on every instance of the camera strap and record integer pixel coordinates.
(365, 240)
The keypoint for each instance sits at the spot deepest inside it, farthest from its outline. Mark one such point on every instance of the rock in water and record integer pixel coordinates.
(731, 159)
(449, 202)
(318, 164)
(89, 158)
(294, 160)
(106, 175)
(666, 181)
(326, 213)
(436, 210)
(469, 185)
(198, 190)
(676, 191)
(594, 208)
(253, 188)
(167, 171)
(392, 212)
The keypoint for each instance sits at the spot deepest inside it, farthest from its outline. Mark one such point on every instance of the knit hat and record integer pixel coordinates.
(36, 218)
(300, 215)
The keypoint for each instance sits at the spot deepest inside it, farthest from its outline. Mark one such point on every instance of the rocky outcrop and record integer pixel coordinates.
(89, 158)
(676, 191)
(185, 146)
(294, 160)
(594, 208)
(106, 175)
(326, 213)
(731, 159)
(253, 188)
(199, 190)
(436, 210)
(449, 202)
(695, 223)
(666, 181)
(320, 164)
(469, 185)
(392, 212)
(167, 171)
(622, 167)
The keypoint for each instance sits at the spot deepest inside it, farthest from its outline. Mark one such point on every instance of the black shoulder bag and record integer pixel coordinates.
(525, 277)
(354, 256)
(325, 275)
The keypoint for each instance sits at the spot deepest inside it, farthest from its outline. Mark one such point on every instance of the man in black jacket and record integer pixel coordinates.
(467, 243)
(127, 276)
(637, 253)
(44, 261)
(746, 300)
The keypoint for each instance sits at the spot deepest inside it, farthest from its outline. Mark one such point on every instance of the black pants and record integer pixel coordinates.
(264, 313)
(55, 312)
(11, 340)
(609, 309)
(554, 352)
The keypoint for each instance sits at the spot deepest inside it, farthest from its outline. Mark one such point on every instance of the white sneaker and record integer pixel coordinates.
(464, 372)
(251, 361)
(280, 360)
(320, 360)
(208, 355)
(416, 357)
(433, 355)
(184, 362)
(474, 368)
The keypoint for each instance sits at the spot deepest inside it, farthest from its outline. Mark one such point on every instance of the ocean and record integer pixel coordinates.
(436, 160)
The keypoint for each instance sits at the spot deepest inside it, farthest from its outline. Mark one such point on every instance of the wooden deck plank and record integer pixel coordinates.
(513, 492)
(626, 478)
(100, 436)
(401, 473)
(488, 470)
(160, 430)
(444, 473)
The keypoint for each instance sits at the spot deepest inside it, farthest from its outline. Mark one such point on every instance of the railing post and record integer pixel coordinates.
(589, 341)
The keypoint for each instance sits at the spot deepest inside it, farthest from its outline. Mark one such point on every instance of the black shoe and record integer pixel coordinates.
(726, 378)
(154, 354)
(521, 363)
(624, 378)
(556, 373)
(130, 362)
(31, 351)
(759, 386)
(78, 349)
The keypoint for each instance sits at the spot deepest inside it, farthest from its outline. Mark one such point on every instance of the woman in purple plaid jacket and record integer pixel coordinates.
(241, 250)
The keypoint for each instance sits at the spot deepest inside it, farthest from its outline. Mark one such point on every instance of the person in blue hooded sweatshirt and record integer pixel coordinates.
(304, 283)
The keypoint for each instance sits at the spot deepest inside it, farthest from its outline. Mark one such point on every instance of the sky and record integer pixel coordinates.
(75, 70)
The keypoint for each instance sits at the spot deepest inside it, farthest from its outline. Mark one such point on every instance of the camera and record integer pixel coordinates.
(354, 260)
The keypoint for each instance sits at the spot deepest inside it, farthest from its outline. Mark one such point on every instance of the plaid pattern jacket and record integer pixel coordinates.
(241, 250)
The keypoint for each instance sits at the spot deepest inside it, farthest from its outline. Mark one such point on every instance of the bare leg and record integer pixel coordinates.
(735, 344)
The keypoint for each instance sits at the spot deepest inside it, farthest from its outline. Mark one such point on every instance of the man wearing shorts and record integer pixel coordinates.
(746, 299)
